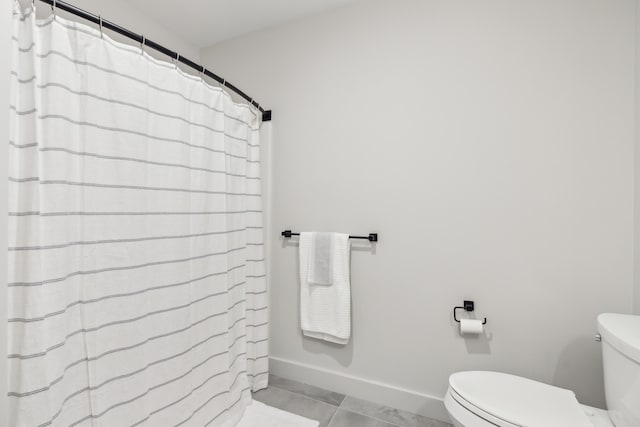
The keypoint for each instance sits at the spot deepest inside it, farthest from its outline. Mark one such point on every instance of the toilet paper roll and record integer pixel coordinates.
(470, 326)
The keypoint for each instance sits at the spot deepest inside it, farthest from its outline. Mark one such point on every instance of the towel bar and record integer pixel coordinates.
(372, 237)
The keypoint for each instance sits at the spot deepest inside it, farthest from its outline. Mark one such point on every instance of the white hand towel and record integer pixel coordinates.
(325, 311)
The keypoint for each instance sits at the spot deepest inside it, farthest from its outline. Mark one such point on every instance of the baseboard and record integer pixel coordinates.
(374, 391)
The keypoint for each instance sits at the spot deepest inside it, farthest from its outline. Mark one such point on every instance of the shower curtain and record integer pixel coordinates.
(137, 288)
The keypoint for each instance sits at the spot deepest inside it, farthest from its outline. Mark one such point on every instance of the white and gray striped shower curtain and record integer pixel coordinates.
(137, 290)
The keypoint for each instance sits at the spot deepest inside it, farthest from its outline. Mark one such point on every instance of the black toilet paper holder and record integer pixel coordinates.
(466, 306)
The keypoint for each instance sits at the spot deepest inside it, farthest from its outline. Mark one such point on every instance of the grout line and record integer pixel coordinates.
(373, 418)
(333, 416)
(310, 398)
(380, 419)
(303, 395)
(344, 396)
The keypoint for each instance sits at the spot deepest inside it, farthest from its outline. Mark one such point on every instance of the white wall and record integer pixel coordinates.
(491, 144)
(117, 11)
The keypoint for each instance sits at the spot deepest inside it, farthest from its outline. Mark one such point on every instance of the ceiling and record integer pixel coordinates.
(206, 22)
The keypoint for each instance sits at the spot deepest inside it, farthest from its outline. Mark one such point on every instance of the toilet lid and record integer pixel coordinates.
(518, 400)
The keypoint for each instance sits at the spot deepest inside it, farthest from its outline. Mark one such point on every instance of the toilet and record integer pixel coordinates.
(486, 399)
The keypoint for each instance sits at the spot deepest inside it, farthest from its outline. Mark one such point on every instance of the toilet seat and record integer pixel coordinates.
(511, 401)
(465, 414)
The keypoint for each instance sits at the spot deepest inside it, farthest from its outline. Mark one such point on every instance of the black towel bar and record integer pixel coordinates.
(372, 237)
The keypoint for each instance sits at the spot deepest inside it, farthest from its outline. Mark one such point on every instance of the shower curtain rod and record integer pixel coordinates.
(97, 19)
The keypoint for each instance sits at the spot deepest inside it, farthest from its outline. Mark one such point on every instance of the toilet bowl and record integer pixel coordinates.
(485, 399)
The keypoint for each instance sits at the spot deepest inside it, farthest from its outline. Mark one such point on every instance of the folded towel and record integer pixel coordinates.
(325, 311)
(320, 271)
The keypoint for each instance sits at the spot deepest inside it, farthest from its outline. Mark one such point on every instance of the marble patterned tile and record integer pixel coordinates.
(344, 418)
(297, 404)
(390, 415)
(313, 392)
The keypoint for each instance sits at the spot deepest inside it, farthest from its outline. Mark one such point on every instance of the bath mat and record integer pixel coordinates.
(260, 415)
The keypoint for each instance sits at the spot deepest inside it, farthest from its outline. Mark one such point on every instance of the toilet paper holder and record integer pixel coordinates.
(466, 306)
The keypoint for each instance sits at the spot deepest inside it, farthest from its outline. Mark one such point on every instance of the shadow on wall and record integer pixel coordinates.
(343, 354)
(478, 344)
(575, 370)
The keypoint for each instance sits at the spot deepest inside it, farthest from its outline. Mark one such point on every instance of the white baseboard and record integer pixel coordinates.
(374, 391)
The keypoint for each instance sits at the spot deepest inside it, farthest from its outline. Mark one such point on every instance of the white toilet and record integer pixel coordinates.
(486, 399)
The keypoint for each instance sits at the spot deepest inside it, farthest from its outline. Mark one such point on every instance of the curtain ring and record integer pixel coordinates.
(142, 45)
(53, 8)
(100, 19)
(177, 59)
(224, 81)
(202, 73)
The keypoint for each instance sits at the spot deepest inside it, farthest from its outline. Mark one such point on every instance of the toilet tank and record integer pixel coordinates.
(621, 361)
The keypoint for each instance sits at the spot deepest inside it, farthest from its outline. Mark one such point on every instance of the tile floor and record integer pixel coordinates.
(335, 409)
